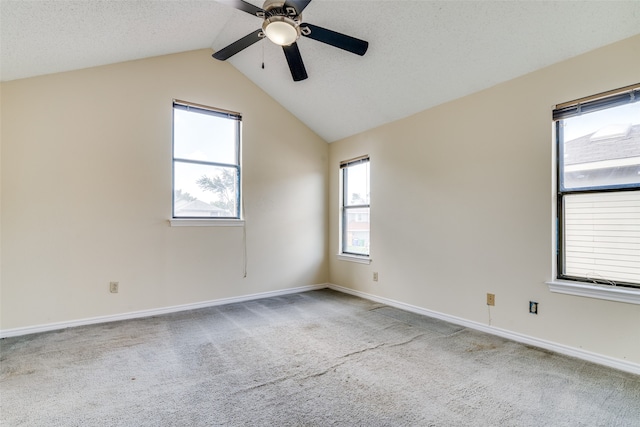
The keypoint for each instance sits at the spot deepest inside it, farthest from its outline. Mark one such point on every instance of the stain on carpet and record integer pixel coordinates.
(419, 321)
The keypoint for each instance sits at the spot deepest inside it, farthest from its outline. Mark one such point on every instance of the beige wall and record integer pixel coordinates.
(461, 205)
(86, 194)
(461, 200)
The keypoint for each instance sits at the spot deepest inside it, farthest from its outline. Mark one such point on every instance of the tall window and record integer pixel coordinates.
(206, 162)
(355, 207)
(598, 189)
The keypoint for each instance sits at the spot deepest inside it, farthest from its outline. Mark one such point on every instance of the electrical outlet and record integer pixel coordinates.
(375, 276)
(533, 307)
(113, 287)
(491, 299)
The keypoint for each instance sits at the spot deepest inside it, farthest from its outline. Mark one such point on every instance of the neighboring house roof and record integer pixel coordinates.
(197, 206)
(596, 146)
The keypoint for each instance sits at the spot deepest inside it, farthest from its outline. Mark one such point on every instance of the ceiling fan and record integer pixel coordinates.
(282, 24)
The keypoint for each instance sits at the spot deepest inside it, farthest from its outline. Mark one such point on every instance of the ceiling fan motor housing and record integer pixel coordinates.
(278, 8)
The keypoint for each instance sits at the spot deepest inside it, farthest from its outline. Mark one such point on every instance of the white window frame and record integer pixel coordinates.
(627, 293)
(342, 254)
(203, 221)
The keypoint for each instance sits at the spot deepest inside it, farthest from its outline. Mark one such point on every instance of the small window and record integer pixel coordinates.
(598, 189)
(355, 207)
(206, 162)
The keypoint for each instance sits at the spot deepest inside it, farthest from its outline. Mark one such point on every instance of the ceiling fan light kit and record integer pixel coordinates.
(282, 24)
(281, 30)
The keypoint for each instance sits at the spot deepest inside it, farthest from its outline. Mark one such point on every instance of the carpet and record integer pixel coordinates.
(319, 358)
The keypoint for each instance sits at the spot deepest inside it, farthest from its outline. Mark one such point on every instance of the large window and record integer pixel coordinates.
(598, 189)
(355, 207)
(206, 162)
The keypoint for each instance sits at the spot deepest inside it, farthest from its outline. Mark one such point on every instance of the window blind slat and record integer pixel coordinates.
(182, 105)
(353, 162)
(579, 108)
(601, 239)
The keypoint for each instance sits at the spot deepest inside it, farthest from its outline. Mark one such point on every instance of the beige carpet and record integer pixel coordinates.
(318, 358)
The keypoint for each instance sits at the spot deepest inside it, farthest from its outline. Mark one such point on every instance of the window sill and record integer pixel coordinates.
(589, 290)
(189, 222)
(354, 258)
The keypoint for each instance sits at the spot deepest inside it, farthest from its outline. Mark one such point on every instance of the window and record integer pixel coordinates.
(206, 162)
(355, 207)
(598, 189)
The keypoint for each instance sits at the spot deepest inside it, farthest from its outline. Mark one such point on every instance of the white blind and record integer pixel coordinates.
(602, 236)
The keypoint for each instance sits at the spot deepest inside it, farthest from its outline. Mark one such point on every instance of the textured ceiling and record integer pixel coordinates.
(421, 53)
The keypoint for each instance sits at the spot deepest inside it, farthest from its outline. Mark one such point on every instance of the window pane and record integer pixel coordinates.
(203, 137)
(356, 231)
(204, 191)
(356, 181)
(602, 236)
(602, 148)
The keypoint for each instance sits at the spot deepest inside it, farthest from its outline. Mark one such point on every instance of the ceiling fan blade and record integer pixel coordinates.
(238, 45)
(342, 41)
(298, 5)
(244, 6)
(294, 59)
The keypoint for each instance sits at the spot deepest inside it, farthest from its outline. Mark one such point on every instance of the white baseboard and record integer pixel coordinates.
(5, 333)
(611, 362)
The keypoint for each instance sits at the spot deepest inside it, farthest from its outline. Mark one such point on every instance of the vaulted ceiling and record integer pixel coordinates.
(421, 53)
